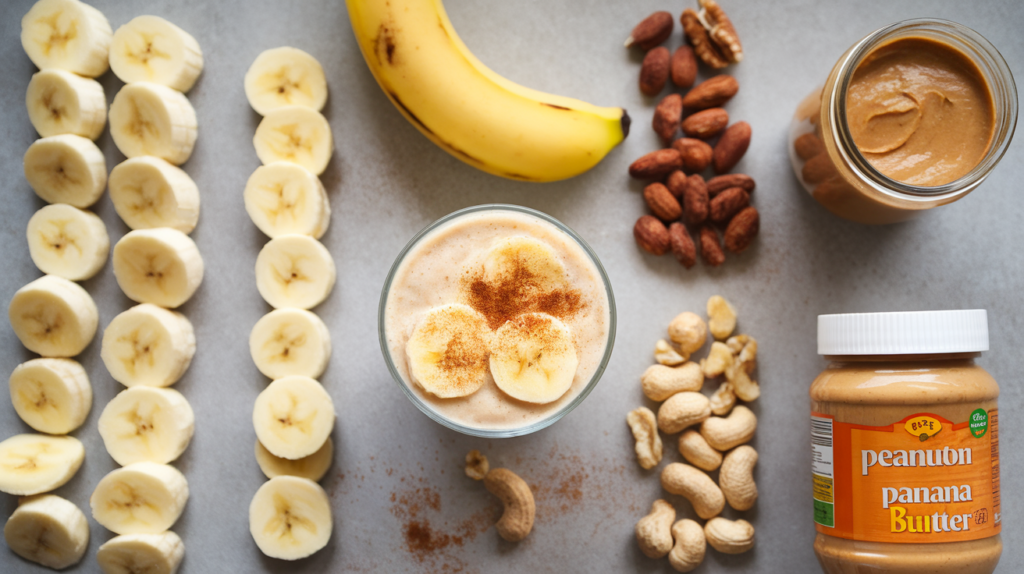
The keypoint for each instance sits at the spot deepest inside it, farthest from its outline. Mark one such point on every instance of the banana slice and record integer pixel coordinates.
(147, 192)
(66, 169)
(141, 554)
(313, 467)
(48, 530)
(290, 518)
(293, 417)
(297, 134)
(67, 242)
(37, 463)
(150, 119)
(141, 498)
(285, 77)
(160, 266)
(148, 346)
(527, 261)
(60, 102)
(447, 351)
(146, 424)
(534, 358)
(67, 35)
(283, 198)
(290, 342)
(151, 49)
(294, 271)
(53, 317)
(51, 395)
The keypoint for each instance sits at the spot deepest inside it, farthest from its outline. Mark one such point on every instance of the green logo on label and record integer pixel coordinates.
(978, 423)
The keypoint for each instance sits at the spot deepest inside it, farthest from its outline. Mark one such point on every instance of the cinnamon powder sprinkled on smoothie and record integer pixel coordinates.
(464, 358)
(517, 291)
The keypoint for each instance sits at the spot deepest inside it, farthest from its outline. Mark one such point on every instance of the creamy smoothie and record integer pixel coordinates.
(497, 292)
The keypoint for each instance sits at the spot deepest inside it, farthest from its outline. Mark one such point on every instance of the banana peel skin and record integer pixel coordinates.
(471, 112)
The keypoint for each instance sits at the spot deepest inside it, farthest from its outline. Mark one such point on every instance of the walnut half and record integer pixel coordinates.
(712, 35)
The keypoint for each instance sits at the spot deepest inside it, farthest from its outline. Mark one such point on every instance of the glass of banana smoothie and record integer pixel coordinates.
(497, 320)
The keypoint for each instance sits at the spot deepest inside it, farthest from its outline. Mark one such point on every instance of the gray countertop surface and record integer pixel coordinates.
(395, 471)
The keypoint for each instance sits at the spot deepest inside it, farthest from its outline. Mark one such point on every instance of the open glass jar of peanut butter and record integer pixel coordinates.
(913, 116)
(905, 445)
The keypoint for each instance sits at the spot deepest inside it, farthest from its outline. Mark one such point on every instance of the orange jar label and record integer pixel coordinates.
(921, 479)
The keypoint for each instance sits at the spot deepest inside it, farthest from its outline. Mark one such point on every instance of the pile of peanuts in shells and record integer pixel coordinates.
(683, 204)
(719, 445)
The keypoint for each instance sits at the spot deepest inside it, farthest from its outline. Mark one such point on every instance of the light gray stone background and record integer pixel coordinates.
(394, 468)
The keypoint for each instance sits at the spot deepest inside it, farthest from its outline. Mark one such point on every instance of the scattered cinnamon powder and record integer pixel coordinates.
(519, 290)
(432, 544)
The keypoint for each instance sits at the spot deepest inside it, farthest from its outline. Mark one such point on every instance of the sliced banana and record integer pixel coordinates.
(290, 518)
(285, 77)
(160, 266)
(150, 119)
(148, 346)
(66, 169)
(447, 351)
(67, 242)
(148, 192)
(141, 554)
(151, 49)
(51, 395)
(53, 317)
(294, 271)
(293, 417)
(283, 198)
(297, 134)
(141, 498)
(147, 424)
(60, 102)
(67, 35)
(38, 463)
(290, 342)
(526, 261)
(48, 530)
(534, 358)
(313, 467)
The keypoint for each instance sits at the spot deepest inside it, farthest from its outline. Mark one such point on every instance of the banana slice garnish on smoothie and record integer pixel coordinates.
(528, 261)
(533, 358)
(447, 351)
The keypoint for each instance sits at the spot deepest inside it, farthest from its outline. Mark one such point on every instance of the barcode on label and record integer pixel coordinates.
(821, 466)
(821, 431)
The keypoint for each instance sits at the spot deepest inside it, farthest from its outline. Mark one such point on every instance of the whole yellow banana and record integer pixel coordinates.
(474, 114)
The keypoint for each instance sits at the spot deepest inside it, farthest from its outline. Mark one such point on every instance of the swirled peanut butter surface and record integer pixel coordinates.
(920, 111)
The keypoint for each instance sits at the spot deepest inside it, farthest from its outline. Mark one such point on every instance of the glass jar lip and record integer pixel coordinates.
(995, 68)
(516, 431)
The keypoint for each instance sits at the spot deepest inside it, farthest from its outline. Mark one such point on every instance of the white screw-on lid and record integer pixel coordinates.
(909, 333)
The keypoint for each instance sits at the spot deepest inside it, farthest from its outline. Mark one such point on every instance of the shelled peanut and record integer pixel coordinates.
(715, 430)
(689, 213)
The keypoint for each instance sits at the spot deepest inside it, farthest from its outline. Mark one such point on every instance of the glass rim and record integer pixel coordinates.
(999, 79)
(516, 431)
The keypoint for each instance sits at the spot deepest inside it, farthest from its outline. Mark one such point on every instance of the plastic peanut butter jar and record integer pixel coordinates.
(905, 445)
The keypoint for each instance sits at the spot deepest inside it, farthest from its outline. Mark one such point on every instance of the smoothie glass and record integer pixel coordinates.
(562, 406)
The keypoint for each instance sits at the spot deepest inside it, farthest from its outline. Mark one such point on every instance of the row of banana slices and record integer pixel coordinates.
(290, 515)
(147, 347)
(531, 357)
(53, 316)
